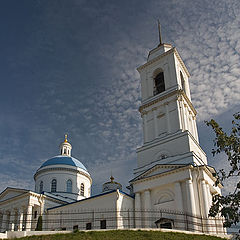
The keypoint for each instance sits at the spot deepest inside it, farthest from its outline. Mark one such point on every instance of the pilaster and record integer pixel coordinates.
(167, 118)
(155, 122)
(29, 218)
(145, 127)
(190, 197)
(147, 208)
(4, 221)
(138, 209)
(20, 220)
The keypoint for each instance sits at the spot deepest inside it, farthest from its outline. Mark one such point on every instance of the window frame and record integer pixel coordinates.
(159, 83)
(82, 189)
(41, 187)
(54, 185)
(69, 187)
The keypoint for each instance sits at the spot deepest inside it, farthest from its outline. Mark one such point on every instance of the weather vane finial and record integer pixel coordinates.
(159, 33)
(65, 140)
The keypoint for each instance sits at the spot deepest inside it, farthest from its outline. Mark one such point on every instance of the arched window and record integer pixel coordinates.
(159, 85)
(54, 185)
(182, 81)
(41, 187)
(69, 185)
(82, 189)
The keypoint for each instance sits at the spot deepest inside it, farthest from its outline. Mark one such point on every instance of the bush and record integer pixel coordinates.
(39, 224)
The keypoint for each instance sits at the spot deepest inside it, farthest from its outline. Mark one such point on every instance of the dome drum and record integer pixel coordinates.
(64, 175)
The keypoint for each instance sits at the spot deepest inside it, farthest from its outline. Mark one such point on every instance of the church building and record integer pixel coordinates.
(172, 186)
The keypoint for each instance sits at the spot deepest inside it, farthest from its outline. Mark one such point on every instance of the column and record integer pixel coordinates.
(167, 118)
(138, 210)
(205, 205)
(155, 122)
(191, 208)
(29, 218)
(4, 221)
(195, 128)
(184, 116)
(179, 205)
(20, 220)
(145, 93)
(11, 220)
(147, 208)
(179, 110)
(190, 197)
(1, 220)
(151, 86)
(178, 196)
(209, 196)
(145, 127)
(204, 198)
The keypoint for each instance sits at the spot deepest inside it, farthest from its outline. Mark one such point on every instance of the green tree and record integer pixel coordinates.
(39, 224)
(228, 143)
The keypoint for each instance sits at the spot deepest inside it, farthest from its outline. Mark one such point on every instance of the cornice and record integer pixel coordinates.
(155, 59)
(181, 61)
(27, 195)
(62, 169)
(173, 50)
(157, 100)
(24, 195)
(179, 93)
(188, 101)
(210, 173)
(160, 174)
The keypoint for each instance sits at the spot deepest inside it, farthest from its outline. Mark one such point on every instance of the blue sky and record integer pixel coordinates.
(70, 67)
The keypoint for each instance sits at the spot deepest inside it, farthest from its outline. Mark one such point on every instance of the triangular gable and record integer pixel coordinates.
(157, 170)
(9, 193)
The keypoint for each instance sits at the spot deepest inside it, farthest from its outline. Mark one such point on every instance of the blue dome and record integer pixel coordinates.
(64, 160)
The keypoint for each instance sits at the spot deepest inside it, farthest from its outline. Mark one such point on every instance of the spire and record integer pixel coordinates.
(65, 140)
(159, 33)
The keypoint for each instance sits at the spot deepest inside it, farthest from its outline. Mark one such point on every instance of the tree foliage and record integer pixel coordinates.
(228, 143)
(39, 224)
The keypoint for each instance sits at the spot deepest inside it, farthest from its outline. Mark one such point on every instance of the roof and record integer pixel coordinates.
(64, 160)
(95, 196)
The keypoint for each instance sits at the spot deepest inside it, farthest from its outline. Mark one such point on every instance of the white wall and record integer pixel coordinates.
(102, 207)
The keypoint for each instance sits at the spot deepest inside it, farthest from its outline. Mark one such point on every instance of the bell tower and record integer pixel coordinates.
(169, 118)
(172, 171)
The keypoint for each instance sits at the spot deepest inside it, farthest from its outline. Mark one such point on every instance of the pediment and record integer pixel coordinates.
(158, 170)
(9, 193)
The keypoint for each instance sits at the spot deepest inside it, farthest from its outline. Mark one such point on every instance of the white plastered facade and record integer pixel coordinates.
(171, 174)
(172, 171)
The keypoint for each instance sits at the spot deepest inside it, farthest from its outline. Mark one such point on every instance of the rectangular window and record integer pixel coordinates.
(88, 226)
(103, 224)
(63, 229)
(35, 214)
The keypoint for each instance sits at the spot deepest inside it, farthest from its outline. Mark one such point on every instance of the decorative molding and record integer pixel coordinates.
(62, 169)
(155, 59)
(180, 94)
(157, 100)
(173, 50)
(179, 169)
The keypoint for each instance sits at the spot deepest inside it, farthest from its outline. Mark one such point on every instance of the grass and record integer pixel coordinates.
(122, 235)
